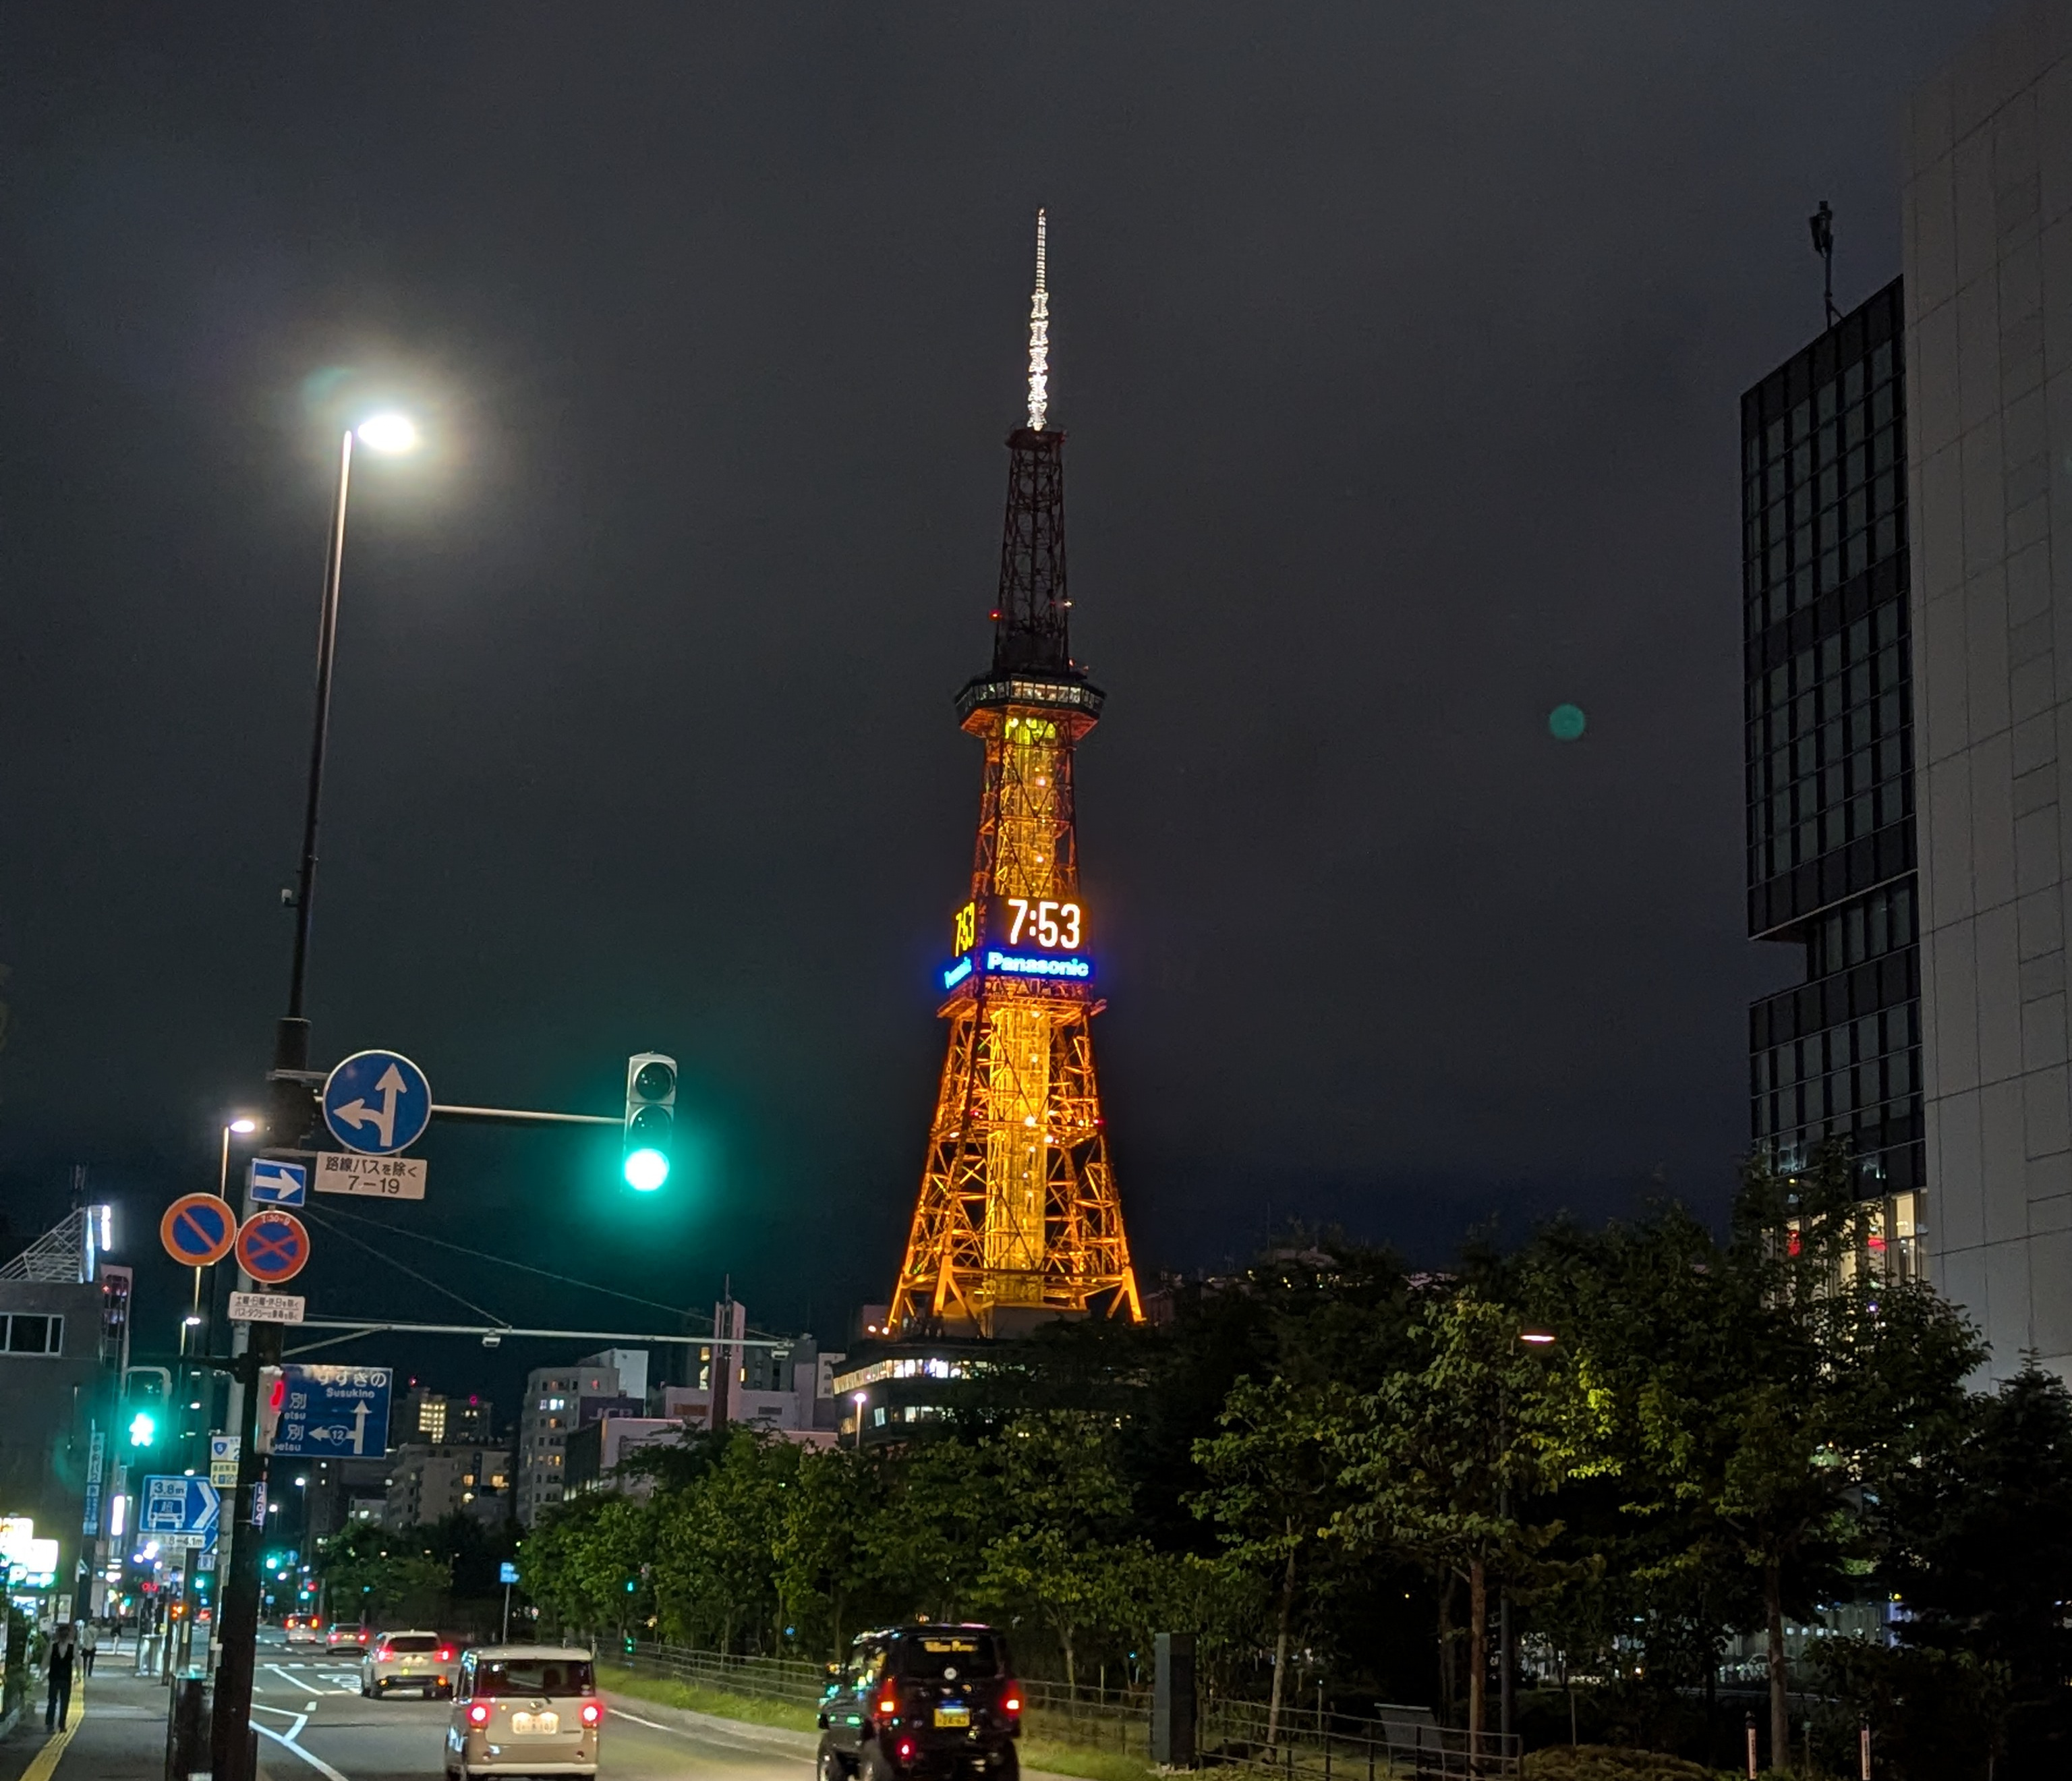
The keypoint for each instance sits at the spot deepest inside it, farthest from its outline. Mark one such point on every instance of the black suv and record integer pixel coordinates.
(929, 1699)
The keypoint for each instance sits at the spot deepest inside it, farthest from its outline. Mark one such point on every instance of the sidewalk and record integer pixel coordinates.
(117, 1732)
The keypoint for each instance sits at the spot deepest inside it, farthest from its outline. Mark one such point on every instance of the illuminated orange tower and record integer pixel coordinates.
(1017, 1219)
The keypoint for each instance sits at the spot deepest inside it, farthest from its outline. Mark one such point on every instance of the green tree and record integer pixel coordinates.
(716, 1542)
(925, 1546)
(1847, 1380)
(1440, 1461)
(369, 1574)
(1273, 1489)
(1064, 1557)
(1979, 1545)
(582, 1553)
(823, 1555)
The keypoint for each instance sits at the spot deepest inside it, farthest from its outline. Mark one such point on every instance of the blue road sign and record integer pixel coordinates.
(330, 1412)
(278, 1184)
(507, 1571)
(174, 1504)
(377, 1102)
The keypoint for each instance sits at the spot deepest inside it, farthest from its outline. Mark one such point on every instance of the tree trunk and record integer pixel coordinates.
(1478, 1652)
(1780, 1701)
(1071, 1668)
(1448, 1687)
(1280, 1651)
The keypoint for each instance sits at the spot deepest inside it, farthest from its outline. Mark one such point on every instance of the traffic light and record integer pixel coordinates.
(650, 1119)
(273, 1399)
(147, 1409)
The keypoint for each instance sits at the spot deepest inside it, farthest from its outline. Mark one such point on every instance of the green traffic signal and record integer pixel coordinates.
(650, 1119)
(646, 1170)
(143, 1429)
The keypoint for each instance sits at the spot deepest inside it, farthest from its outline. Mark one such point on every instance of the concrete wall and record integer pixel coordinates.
(1986, 157)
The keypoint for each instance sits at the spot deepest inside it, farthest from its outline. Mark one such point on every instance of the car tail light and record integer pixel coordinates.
(479, 1714)
(592, 1712)
(444, 1654)
(383, 1653)
(905, 1750)
(1012, 1704)
(888, 1704)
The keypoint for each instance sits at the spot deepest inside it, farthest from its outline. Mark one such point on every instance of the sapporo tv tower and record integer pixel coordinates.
(1017, 1220)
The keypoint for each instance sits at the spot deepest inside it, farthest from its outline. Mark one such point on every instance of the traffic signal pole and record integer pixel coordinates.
(230, 1727)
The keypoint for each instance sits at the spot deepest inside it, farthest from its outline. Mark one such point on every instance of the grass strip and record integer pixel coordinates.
(1037, 1753)
(1074, 1759)
(667, 1691)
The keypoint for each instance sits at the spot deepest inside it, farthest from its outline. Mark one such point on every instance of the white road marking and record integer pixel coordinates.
(746, 1742)
(315, 1761)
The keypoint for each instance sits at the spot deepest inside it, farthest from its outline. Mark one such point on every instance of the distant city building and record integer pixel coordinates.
(341, 1491)
(429, 1482)
(1827, 644)
(424, 1415)
(1987, 214)
(596, 1448)
(550, 1414)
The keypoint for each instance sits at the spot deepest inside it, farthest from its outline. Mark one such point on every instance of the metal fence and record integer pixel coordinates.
(1311, 1744)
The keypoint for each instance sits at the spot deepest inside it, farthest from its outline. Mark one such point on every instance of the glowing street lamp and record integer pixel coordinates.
(390, 433)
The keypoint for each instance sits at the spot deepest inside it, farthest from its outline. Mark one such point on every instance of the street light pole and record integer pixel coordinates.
(291, 1043)
(258, 1346)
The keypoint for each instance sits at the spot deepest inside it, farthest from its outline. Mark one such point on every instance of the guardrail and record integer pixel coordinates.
(1308, 1745)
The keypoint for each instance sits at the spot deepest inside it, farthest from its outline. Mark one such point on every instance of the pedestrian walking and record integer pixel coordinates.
(59, 1667)
(89, 1643)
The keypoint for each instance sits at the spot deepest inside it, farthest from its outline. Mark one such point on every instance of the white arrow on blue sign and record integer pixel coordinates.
(377, 1102)
(176, 1504)
(276, 1183)
(335, 1411)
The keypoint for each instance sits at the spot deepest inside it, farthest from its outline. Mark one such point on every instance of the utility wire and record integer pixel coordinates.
(479, 1310)
(505, 1261)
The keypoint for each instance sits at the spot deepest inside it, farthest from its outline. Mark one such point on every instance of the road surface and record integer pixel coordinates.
(314, 1724)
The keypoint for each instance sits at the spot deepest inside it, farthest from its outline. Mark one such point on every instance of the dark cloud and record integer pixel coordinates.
(1400, 349)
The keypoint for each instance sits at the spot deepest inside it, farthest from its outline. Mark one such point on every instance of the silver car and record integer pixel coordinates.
(525, 1709)
(415, 1660)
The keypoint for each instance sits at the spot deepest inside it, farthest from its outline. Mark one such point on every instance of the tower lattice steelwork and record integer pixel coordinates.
(1018, 1219)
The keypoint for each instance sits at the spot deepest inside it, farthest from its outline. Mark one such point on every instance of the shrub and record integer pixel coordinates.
(1604, 1763)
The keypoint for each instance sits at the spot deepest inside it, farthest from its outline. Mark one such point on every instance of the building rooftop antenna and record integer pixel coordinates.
(1822, 223)
(1039, 338)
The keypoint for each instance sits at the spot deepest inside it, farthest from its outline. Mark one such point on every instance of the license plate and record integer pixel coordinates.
(533, 1724)
(953, 1716)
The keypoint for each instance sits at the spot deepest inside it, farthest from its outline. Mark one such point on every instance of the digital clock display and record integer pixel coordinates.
(1026, 937)
(1043, 924)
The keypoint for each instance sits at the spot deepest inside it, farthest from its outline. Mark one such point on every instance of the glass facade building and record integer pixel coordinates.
(1830, 752)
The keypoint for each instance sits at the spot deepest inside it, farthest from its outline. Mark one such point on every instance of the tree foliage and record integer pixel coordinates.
(1329, 1474)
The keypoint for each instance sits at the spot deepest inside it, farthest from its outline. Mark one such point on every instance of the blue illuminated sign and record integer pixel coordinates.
(1017, 965)
(995, 962)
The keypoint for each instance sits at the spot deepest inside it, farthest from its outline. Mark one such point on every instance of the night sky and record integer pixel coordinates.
(1399, 349)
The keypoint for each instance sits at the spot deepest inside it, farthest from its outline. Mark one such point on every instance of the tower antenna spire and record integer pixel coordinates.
(1039, 338)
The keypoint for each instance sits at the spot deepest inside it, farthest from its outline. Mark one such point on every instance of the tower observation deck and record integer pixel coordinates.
(1017, 1219)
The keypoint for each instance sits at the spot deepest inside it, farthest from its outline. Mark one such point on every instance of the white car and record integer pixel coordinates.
(525, 1709)
(409, 1660)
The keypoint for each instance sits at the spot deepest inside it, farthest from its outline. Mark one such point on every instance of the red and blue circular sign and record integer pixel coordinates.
(273, 1246)
(198, 1229)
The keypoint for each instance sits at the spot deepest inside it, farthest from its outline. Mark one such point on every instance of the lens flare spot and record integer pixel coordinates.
(1566, 723)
